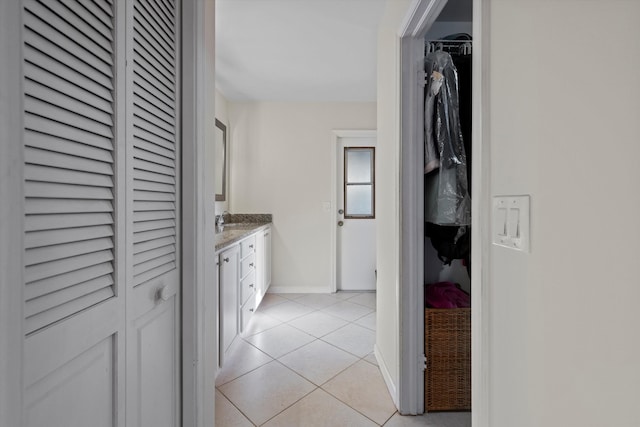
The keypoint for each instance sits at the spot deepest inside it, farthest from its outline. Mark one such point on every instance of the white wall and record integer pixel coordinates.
(281, 164)
(564, 126)
(387, 193)
(222, 115)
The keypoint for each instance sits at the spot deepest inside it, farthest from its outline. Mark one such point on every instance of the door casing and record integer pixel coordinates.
(11, 216)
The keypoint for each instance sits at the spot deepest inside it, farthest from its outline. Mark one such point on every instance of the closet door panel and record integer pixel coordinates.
(74, 304)
(153, 154)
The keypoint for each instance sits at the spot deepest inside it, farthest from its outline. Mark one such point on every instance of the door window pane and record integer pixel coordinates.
(359, 182)
(360, 200)
(359, 164)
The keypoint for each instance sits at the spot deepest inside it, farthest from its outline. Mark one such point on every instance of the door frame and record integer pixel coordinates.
(199, 282)
(421, 15)
(11, 216)
(335, 146)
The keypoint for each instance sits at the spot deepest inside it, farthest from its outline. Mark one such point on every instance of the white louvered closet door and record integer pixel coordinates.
(102, 243)
(74, 208)
(153, 341)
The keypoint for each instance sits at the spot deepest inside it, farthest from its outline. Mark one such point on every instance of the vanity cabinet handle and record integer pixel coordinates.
(250, 246)
(251, 265)
(251, 286)
(226, 260)
(251, 310)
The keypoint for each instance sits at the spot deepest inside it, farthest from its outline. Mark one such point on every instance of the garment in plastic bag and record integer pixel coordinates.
(447, 200)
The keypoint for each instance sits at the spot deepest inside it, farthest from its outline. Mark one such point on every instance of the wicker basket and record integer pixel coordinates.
(447, 381)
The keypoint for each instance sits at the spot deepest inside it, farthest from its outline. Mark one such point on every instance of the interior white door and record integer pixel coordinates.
(356, 227)
(153, 172)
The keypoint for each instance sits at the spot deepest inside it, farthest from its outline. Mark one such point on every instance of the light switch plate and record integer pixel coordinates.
(511, 222)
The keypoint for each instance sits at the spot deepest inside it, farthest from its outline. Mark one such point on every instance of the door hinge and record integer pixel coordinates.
(422, 78)
(423, 362)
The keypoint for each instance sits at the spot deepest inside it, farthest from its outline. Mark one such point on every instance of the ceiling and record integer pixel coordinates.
(297, 50)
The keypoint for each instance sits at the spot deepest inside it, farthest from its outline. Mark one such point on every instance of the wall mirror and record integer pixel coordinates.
(220, 161)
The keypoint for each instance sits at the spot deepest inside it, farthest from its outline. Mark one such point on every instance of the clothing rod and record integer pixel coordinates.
(448, 41)
(463, 47)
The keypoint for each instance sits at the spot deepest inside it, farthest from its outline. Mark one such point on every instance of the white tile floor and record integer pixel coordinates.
(307, 360)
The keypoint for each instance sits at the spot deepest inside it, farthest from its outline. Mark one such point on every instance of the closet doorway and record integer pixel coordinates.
(417, 254)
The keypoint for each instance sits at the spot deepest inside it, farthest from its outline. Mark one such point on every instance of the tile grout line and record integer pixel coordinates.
(315, 338)
(248, 372)
(307, 394)
(358, 359)
(349, 406)
(235, 406)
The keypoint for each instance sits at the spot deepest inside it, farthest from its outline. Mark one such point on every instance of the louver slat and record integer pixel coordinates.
(40, 128)
(149, 64)
(69, 173)
(154, 244)
(55, 284)
(144, 135)
(42, 319)
(153, 177)
(87, 11)
(74, 18)
(155, 12)
(77, 158)
(67, 38)
(35, 239)
(100, 108)
(154, 109)
(159, 35)
(154, 140)
(57, 55)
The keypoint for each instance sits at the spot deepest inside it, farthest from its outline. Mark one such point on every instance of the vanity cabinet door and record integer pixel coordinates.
(229, 303)
(266, 278)
(259, 267)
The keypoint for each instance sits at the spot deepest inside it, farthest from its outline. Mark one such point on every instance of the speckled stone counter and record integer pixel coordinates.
(239, 226)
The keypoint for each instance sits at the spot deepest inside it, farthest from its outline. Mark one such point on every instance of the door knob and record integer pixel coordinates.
(164, 293)
(340, 223)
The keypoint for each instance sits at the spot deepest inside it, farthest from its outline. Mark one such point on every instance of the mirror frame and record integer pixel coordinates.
(223, 128)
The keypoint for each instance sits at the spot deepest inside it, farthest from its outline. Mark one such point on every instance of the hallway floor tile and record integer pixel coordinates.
(307, 360)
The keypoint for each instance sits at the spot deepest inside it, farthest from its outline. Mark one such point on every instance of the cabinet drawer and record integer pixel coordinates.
(246, 312)
(247, 265)
(248, 246)
(247, 287)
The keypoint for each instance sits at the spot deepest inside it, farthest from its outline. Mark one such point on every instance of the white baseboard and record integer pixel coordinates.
(385, 374)
(299, 290)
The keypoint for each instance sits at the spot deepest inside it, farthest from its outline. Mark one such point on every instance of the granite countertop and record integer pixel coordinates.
(239, 226)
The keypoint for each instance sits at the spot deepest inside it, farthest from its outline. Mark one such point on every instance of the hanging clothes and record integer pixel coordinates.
(463, 64)
(447, 200)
